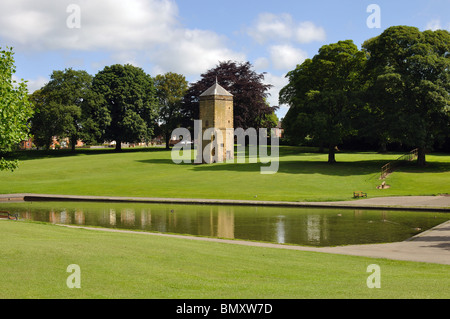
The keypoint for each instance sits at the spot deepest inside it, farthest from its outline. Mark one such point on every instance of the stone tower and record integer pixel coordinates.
(216, 111)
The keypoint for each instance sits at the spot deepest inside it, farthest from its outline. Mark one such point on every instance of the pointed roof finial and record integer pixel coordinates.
(216, 89)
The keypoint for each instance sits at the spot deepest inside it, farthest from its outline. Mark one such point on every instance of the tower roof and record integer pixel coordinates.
(216, 89)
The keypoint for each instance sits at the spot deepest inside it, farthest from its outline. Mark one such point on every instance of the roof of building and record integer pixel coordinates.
(216, 89)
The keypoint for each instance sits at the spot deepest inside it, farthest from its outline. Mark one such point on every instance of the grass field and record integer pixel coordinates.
(139, 266)
(303, 175)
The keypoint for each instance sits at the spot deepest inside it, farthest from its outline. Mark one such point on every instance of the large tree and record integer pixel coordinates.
(170, 91)
(410, 85)
(129, 96)
(247, 87)
(59, 107)
(15, 109)
(324, 94)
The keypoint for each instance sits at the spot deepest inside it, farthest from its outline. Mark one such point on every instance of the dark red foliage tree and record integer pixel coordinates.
(249, 93)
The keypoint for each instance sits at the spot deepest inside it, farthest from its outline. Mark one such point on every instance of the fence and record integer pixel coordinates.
(389, 167)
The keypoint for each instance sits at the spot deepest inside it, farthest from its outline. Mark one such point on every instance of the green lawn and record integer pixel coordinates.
(123, 266)
(303, 175)
(117, 265)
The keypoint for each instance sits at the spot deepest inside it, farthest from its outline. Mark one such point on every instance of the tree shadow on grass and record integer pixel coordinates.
(40, 154)
(301, 167)
(340, 168)
(430, 167)
(286, 167)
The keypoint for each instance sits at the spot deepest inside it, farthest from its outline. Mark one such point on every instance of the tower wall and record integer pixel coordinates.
(216, 111)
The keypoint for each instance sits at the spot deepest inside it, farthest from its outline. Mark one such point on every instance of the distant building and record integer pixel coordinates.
(55, 144)
(26, 145)
(63, 143)
(279, 131)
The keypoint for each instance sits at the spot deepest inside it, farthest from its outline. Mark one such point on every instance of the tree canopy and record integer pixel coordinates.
(247, 87)
(170, 91)
(15, 109)
(323, 95)
(396, 88)
(409, 89)
(128, 96)
(58, 107)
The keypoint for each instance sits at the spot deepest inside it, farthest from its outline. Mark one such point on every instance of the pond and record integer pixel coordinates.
(300, 226)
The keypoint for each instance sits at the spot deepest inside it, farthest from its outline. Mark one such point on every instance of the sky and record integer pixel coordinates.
(190, 37)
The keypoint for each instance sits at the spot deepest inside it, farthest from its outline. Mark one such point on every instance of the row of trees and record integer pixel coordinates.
(124, 104)
(395, 89)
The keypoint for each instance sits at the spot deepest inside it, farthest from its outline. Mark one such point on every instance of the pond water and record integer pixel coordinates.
(301, 226)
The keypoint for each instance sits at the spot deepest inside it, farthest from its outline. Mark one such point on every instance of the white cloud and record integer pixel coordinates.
(308, 32)
(104, 24)
(126, 57)
(25, 25)
(193, 52)
(129, 31)
(261, 63)
(36, 84)
(33, 84)
(286, 57)
(278, 82)
(270, 26)
(282, 27)
(434, 25)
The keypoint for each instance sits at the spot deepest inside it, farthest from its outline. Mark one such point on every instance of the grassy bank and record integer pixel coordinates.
(117, 265)
(303, 175)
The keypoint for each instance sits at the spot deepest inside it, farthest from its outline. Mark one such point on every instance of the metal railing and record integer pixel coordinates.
(390, 167)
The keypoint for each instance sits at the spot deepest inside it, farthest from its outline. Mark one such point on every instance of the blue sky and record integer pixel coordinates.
(192, 36)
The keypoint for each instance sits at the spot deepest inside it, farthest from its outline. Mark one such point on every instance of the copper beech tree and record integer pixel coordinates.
(247, 87)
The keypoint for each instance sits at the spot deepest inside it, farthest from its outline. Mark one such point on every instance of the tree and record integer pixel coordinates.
(270, 121)
(15, 109)
(247, 87)
(128, 94)
(95, 118)
(170, 91)
(59, 107)
(324, 94)
(410, 82)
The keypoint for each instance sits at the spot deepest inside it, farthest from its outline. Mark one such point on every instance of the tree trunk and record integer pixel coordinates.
(167, 141)
(383, 147)
(331, 155)
(118, 146)
(421, 157)
(73, 142)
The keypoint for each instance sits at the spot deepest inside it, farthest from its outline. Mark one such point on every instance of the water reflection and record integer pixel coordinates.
(225, 223)
(316, 227)
(281, 233)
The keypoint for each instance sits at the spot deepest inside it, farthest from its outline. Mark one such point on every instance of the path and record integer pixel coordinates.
(428, 203)
(432, 246)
